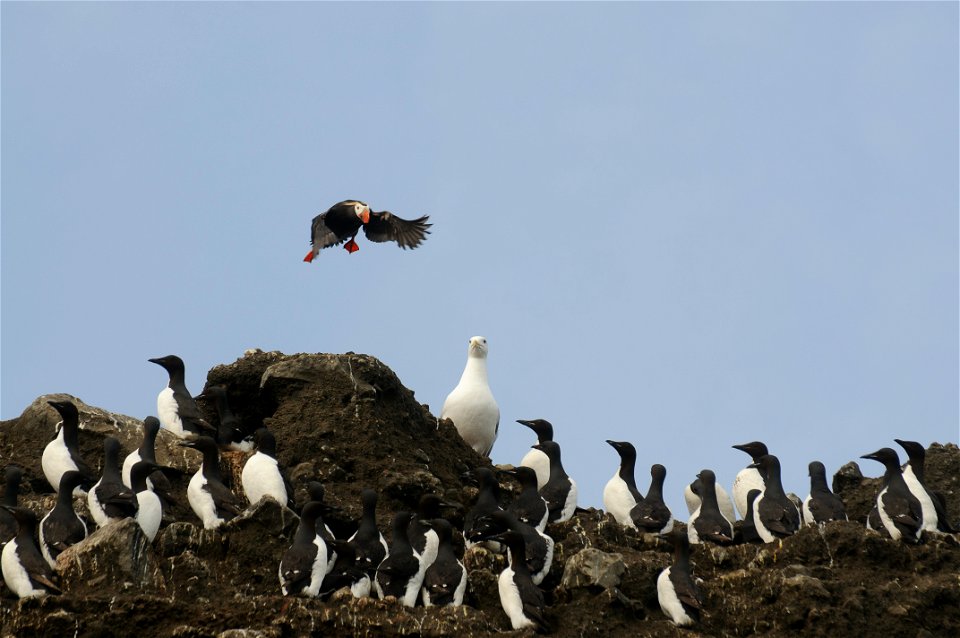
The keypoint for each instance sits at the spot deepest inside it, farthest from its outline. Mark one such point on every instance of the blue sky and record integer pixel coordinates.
(683, 225)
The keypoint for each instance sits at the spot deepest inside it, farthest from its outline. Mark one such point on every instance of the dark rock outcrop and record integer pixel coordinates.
(347, 421)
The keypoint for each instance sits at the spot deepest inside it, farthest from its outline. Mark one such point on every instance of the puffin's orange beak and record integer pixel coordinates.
(365, 216)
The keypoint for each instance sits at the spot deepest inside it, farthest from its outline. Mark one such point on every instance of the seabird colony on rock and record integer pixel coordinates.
(421, 564)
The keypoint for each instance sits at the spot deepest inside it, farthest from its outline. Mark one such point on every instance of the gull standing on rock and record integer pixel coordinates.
(471, 405)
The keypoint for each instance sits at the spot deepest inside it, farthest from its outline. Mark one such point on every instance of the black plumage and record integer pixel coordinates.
(70, 427)
(423, 537)
(304, 564)
(12, 476)
(368, 543)
(209, 498)
(397, 574)
(651, 514)
(488, 500)
(61, 527)
(822, 505)
(520, 598)
(445, 580)
(345, 571)
(748, 529)
(342, 221)
(191, 420)
(560, 491)
(709, 524)
(917, 455)
(899, 510)
(529, 507)
(775, 515)
(110, 498)
(676, 584)
(40, 576)
(230, 431)
(538, 547)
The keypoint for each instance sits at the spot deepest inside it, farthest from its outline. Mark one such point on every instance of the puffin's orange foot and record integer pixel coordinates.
(309, 257)
(351, 246)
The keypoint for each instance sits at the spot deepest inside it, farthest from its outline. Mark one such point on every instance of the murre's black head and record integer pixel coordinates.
(624, 448)
(310, 513)
(139, 473)
(111, 448)
(914, 450)
(69, 481)
(12, 476)
(171, 363)
(151, 426)
(658, 472)
(67, 410)
(887, 456)
(755, 449)
(541, 427)
(265, 442)
(550, 448)
(26, 519)
(316, 491)
(512, 539)
(442, 527)
(707, 479)
(429, 506)
(368, 498)
(768, 465)
(752, 495)
(202, 443)
(816, 468)
(526, 476)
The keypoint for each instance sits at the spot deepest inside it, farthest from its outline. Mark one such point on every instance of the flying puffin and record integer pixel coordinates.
(343, 221)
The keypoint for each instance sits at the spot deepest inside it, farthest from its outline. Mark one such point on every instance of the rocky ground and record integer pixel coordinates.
(347, 421)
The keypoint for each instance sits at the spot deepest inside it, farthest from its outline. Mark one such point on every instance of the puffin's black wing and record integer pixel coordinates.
(323, 236)
(386, 226)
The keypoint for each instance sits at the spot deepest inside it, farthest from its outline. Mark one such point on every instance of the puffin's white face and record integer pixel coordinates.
(478, 346)
(362, 211)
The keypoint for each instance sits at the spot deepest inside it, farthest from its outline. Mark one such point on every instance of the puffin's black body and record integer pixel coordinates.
(110, 498)
(775, 514)
(343, 221)
(61, 527)
(368, 543)
(529, 507)
(899, 510)
(652, 514)
(445, 580)
(822, 505)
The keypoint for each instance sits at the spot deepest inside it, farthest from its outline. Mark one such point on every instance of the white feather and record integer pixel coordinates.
(169, 413)
(510, 600)
(93, 504)
(749, 478)
(149, 513)
(723, 500)
(539, 463)
(927, 508)
(14, 575)
(470, 405)
(201, 501)
(570, 505)
(56, 460)
(261, 477)
(618, 500)
(669, 601)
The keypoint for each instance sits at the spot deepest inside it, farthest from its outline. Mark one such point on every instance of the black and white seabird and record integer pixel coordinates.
(343, 221)
(401, 572)
(822, 505)
(935, 517)
(679, 598)
(61, 527)
(774, 515)
(176, 407)
(488, 500)
(317, 493)
(538, 546)
(707, 522)
(520, 599)
(110, 498)
(471, 405)
(261, 475)
(12, 476)
(529, 507)
(230, 432)
(445, 581)
(535, 458)
(423, 536)
(691, 498)
(369, 545)
(146, 452)
(748, 530)
(620, 494)
(149, 508)
(346, 572)
(62, 454)
(560, 492)
(210, 499)
(749, 478)
(900, 511)
(304, 564)
(24, 569)
(652, 515)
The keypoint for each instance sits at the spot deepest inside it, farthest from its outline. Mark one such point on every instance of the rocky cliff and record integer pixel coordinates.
(346, 420)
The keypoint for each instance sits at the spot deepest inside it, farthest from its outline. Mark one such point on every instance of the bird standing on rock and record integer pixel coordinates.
(749, 478)
(62, 454)
(61, 527)
(445, 580)
(210, 499)
(900, 511)
(620, 494)
(24, 569)
(304, 564)
(471, 405)
(774, 515)
(560, 492)
(536, 459)
(822, 505)
(935, 517)
(369, 545)
(652, 514)
(110, 498)
(176, 408)
(343, 221)
(677, 593)
(401, 572)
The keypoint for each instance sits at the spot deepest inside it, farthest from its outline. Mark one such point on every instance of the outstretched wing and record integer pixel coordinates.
(386, 226)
